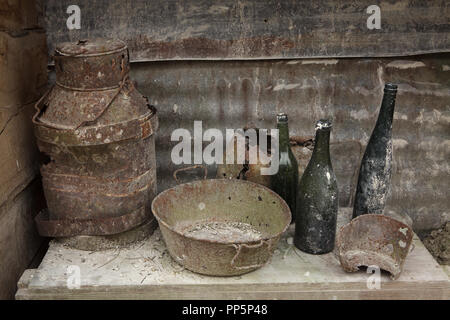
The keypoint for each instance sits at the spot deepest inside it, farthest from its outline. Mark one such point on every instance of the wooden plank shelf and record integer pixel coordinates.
(145, 270)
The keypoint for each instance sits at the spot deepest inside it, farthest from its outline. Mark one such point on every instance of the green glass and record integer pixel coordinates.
(374, 179)
(285, 182)
(317, 204)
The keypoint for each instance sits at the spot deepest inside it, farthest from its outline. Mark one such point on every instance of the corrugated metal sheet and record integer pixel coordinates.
(252, 29)
(232, 94)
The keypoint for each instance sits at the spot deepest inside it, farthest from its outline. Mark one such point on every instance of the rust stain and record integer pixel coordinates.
(374, 240)
(146, 129)
(204, 47)
(89, 124)
(221, 90)
(246, 91)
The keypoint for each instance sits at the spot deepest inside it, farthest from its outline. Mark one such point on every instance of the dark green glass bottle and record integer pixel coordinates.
(285, 182)
(376, 166)
(317, 203)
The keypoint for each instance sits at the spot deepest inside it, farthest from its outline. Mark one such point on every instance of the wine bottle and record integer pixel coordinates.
(317, 203)
(376, 166)
(285, 182)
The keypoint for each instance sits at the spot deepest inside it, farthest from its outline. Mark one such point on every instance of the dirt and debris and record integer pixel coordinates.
(438, 243)
(223, 231)
(148, 264)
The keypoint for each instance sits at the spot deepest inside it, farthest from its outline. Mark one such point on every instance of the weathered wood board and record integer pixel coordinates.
(252, 29)
(23, 79)
(18, 15)
(19, 240)
(146, 271)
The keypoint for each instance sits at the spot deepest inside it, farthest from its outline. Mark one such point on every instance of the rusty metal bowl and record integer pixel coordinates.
(374, 240)
(221, 227)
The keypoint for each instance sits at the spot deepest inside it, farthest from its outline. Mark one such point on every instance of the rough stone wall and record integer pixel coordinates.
(232, 94)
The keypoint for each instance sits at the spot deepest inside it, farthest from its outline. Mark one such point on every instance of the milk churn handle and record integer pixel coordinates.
(119, 89)
(121, 85)
(190, 168)
(124, 74)
(38, 104)
(239, 247)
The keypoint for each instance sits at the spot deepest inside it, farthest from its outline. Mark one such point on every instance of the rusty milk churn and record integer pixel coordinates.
(98, 131)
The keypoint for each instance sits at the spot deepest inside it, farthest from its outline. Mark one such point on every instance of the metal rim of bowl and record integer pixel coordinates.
(382, 216)
(285, 209)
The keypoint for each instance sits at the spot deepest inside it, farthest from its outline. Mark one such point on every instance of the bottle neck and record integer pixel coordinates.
(387, 109)
(283, 136)
(322, 146)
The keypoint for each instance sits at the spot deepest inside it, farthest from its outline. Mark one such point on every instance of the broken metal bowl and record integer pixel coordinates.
(374, 240)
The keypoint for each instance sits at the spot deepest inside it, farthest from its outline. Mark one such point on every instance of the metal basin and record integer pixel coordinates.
(221, 227)
(374, 240)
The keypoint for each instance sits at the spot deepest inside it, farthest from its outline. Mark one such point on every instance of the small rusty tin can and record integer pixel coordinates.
(98, 131)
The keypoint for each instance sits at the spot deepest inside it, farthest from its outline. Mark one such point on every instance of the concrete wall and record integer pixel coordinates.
(232, 94)
(23, 79)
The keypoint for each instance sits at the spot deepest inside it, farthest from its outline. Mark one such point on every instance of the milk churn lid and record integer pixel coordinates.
(91, 47)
